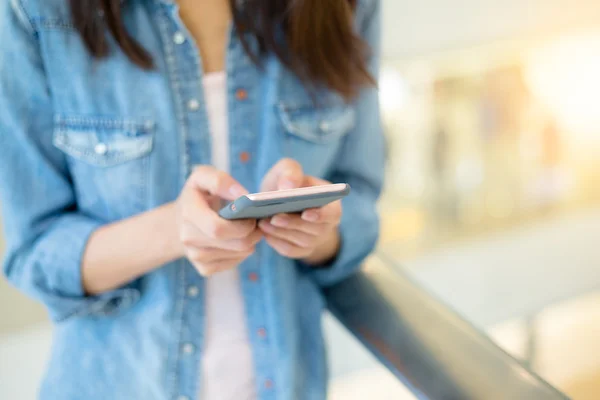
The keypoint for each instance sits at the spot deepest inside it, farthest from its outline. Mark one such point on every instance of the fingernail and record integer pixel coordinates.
(311, 216)
(237, 190)
(280, 221)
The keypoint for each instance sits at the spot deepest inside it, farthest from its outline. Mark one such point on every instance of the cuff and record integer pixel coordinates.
(56, 272)
(357, 242)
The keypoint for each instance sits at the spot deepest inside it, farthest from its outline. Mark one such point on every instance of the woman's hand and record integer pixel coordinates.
(211, 243)
(312, 236)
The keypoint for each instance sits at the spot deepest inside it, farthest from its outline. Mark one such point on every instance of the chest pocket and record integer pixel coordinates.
(313, 134)
(108, 160)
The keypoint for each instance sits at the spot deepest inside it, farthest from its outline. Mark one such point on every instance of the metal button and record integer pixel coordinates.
(241, 94)
(193, 105)
(101, 149)
(193, 291)
(244, 157)
(262, 332)
(268, 384)
(324, 126)
(187, 348)
(253, 276)
(178, 38)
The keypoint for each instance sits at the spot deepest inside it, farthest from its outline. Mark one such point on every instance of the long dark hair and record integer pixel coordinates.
(320, 44)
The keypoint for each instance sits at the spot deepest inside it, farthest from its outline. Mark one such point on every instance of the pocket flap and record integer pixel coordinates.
(319, 125)
(102, 141)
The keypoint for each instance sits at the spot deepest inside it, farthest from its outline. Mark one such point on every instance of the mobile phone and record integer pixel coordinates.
(267, 204)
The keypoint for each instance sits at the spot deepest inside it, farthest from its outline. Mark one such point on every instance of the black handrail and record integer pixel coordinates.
(437, 354)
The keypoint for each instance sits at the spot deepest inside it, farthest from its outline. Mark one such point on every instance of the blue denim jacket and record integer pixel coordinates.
(86, 142)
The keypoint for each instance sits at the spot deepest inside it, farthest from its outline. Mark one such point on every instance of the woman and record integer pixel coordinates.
(124, 125)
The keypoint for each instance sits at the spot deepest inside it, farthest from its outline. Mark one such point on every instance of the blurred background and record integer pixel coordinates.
(492, 115)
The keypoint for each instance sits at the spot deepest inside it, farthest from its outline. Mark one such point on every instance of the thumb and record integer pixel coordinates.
(286, 174)
(217, 183)
(310, 181)
(290, 179)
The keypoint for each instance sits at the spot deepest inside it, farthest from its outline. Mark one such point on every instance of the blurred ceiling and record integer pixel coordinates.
(427, 26)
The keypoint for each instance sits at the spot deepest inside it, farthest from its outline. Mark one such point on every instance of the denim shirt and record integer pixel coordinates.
(87, 142)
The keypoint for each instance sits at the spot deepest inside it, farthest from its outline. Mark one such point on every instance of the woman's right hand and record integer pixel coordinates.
(211, 243)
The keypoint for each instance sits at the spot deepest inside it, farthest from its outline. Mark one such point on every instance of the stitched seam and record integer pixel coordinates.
(23, 16)
(127, 296)
(311, 136)
(180, 267)
(54, 23)
(101, 122)
(88, 155)
(142, 189)
(173, 79)
(93, 158)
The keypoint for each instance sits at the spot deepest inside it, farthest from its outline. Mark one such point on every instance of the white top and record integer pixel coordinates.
(227, 368)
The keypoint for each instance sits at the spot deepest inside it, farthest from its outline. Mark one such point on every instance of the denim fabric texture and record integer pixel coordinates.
(86, 142)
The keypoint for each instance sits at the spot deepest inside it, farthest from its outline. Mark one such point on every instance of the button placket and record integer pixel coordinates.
(244, 151)
(180, 59)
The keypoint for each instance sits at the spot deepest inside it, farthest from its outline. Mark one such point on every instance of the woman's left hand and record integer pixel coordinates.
(311, 236)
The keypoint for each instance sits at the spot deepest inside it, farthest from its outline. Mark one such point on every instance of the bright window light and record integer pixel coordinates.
(393, 91)
(565, 76)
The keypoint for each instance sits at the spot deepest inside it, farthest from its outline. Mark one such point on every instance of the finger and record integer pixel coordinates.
(298, 238)
(207, 255)
(220, 266)
(328, 214)
(217, 228)
(190, 235)
(198, 213)
(212, 227)
(208, 269)
(218, 183)
(193, 205)
(247, 243)
(309, 181)
(287, 249)
(292, 221)
(285, 174)
(215, 203)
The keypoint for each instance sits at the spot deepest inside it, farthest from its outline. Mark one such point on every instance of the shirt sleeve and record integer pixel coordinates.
(360, 164)
(46, 235)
